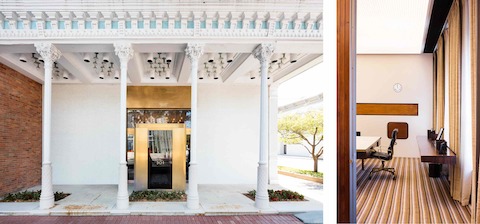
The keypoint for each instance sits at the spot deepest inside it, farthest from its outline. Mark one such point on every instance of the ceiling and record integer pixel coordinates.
(162, 64)
(392, 26)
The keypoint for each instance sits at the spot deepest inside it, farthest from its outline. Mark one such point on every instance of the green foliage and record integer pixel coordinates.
(29, 196)
(304, 172)
(296, 128)
(158, 196)
(280, 195)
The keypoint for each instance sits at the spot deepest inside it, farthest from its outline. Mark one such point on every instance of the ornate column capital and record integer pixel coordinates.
(124, 51)
(263, 52)
(48, 52)
(194, 51)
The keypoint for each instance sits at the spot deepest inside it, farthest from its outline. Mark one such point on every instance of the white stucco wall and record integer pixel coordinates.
(85, 132)
(376, 75)
(228, 135)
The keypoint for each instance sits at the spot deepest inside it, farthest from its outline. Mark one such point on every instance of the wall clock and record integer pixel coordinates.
(397, 87)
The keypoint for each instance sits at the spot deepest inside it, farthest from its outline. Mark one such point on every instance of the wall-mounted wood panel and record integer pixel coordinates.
(387, 109)
(402, 129)
(158, 97)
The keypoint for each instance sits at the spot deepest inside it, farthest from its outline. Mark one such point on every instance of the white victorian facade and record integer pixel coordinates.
(231, 54)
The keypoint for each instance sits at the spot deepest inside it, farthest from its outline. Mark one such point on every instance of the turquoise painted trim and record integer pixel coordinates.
(278, 25)
(140, 24)
(227, 25)
(61, 25)
(101, 24)
(178, 25)
(264, 25)
(252, 25)
(203, 24)
(75, 25)
(6, 25)
(240, 25)
(215, 24)
(88, 25)
(128, 24)
(33, 25)
(165, 24)
(153, 24)
(304, 26)
(190, 25)
(114, 25)
(290, 25)
(20, 25)
(48, 25)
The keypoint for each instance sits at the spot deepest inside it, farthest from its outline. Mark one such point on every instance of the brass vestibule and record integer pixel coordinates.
(160, 156)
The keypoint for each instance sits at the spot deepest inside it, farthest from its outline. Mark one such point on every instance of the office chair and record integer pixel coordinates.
(385, 156)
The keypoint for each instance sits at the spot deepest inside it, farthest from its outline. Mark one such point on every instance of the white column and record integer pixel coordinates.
(193, 52)
(263, 53)
(273, 134)
(124, 52)
(49, 54)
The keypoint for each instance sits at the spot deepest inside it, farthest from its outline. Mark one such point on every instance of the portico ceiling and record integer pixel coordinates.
(159, 33)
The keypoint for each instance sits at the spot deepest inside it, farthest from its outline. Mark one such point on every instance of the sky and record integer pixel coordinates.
(308, 83)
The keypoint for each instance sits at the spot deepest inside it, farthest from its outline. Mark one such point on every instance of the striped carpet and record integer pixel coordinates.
(412, 198)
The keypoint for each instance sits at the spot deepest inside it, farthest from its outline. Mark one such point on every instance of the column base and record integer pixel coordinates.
(47, 199)
(261, 197)
(193, 200)
(122, 195)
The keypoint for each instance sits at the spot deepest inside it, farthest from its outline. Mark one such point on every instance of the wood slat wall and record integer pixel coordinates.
(387, 109)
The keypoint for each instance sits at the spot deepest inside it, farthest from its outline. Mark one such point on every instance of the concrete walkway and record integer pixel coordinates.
(299, 162)
(214, 200)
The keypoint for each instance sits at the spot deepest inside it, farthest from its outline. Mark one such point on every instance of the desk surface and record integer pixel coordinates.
(367, 142)
(429, 154)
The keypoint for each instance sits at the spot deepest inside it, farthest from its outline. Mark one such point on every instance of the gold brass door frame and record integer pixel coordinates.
(178, 154)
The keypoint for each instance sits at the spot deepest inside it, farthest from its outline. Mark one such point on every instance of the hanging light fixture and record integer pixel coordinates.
(275, 58)
(101, 75)
(169, 57)
(167, 74)
(150, 58)
(86, 57)
(22, 58)
(252, 75)
(117, 74)
(293, 58)
(152, 74)
(65, 75)
(230, 57)
(201, 74)
(211, 57)
(106, 58)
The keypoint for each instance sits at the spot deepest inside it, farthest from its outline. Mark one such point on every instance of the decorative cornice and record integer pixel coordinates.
(194, 51)
(65, 24)
(263, 52)
(124, 51)
(48, 52)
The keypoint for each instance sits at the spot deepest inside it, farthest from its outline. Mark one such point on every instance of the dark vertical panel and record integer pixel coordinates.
(438, 16)
(344, 187)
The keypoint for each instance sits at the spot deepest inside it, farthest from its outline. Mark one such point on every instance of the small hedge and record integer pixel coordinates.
(30, 196)
(279, 195)
(304, 172)
(158, 196)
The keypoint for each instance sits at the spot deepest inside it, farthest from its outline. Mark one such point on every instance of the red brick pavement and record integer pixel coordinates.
(237, 219)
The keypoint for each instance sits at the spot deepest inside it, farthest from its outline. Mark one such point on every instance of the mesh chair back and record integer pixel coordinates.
(392, 142)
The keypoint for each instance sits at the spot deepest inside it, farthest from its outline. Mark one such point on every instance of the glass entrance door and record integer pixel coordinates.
(160, 156)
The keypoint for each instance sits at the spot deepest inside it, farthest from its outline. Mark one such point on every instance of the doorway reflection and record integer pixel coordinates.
(160, 159)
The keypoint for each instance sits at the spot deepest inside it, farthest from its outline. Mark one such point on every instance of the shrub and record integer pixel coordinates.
(30, 196)
(158, 196)
(279, 195)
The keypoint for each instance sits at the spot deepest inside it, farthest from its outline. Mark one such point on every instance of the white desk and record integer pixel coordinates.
(364, 144)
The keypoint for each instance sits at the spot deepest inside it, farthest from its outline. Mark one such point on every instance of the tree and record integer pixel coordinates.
(305, 129)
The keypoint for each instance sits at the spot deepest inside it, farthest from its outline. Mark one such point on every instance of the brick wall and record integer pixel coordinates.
(20, 131)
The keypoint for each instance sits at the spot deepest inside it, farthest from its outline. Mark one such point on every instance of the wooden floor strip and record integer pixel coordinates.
(413, 197)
